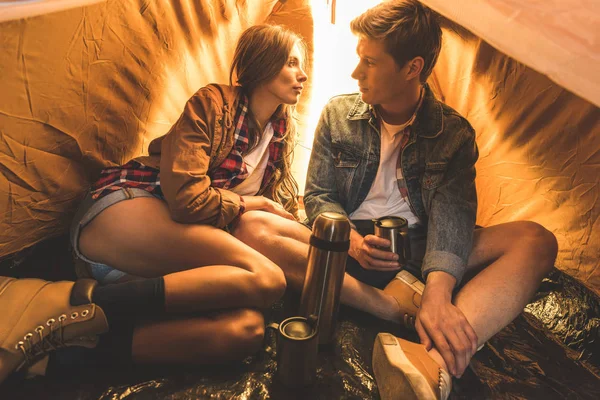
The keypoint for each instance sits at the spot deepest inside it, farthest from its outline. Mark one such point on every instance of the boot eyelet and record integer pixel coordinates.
(19, 345)
(84, 313)
(28, 336)
(50, 322)
(62, 318)
(74, 315)
(39, 328)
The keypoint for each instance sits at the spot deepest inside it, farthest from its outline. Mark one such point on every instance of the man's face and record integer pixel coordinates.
(380, 80)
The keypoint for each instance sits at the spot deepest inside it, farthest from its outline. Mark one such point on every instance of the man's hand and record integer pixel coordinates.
(369, 254)
(268, 205)
(441, 324)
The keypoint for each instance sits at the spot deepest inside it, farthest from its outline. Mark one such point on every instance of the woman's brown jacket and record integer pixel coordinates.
(197, 143)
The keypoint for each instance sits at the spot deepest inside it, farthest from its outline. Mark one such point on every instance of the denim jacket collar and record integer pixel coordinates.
(429, 122)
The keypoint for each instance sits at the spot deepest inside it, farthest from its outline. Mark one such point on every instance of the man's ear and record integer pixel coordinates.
(415, 66)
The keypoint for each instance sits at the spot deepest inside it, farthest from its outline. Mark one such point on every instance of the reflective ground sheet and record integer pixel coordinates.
(551, 351)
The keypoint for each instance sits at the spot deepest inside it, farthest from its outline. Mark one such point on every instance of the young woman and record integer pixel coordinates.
(166, 219)
(167, 216)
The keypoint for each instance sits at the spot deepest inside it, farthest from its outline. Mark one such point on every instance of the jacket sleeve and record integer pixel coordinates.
(321, 192)
(184, 164)
(453, 211)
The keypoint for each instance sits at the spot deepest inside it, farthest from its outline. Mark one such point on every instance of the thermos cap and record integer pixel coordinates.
(390, 222)
(332, 227)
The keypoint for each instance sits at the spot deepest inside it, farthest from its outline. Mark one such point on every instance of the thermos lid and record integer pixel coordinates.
(332, 227)
(297, 329)
(390, 222)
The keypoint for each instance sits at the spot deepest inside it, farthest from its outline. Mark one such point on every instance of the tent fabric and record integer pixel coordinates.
(558, 38)
(525, 74)
(90, 86)
(539, 147)
(18, 9)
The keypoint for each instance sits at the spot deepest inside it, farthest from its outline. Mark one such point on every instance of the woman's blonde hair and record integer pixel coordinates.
(261, 53)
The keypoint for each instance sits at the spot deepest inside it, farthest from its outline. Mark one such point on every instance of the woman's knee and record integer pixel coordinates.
(255, 226)
(259, 227)
(225, 337)
(243, 334)
(270, 283)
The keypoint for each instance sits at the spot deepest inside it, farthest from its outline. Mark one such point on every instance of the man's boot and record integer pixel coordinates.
(37, 317)
(404, 370)
(407, 290)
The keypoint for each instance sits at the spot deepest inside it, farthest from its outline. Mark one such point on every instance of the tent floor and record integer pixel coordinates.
(551, 351)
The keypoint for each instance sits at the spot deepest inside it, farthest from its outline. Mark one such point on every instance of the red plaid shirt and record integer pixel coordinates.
(130, 175)
(233, 170)
(230, 173)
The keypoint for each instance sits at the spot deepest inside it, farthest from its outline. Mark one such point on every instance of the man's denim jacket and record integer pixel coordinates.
(438, 164)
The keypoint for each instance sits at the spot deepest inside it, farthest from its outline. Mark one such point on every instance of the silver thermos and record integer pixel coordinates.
(327, 255)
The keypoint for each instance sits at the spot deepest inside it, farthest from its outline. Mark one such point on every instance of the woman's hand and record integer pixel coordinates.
(443, 325)
(367, 251)
(268, 205)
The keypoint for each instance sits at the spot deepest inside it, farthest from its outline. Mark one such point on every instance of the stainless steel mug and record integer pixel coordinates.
(395, 229)
(297, 347)
(327, 255)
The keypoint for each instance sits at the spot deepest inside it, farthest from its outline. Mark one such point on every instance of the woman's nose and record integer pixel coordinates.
(302, 77)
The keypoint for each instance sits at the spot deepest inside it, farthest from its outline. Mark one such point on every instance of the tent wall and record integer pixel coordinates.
(539, 147)
(91, 86)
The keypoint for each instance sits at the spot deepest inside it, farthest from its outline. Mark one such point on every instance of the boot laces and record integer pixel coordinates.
(39, 343)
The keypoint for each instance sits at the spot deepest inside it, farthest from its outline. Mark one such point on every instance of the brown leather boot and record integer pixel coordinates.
(39, 316)
(407, 290)
(404, 370)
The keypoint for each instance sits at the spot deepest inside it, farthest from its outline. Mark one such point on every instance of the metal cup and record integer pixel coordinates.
(395, 229)
(297, 347)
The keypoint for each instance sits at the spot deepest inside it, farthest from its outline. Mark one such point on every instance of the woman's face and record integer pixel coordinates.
(287, 86)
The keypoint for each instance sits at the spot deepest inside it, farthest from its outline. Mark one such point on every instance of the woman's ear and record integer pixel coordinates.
(415, 66)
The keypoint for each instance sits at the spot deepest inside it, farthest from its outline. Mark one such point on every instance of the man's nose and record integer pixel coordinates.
(356, 74)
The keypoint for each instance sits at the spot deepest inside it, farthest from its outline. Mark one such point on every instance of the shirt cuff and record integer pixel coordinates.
(446, 262)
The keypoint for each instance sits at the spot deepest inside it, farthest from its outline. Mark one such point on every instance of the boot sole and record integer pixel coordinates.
(396, 376)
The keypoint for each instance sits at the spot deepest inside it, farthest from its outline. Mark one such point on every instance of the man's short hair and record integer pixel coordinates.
(408, 29)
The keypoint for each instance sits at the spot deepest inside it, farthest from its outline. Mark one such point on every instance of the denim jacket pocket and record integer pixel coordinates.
(434, 175)
(344, 159)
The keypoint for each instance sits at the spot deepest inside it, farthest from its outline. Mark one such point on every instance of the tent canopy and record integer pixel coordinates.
(86, 84)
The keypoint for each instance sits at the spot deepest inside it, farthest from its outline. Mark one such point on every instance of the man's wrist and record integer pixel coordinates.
(355, 238)
(441, 280)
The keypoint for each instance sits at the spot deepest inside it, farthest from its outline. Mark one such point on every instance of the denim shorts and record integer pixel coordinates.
(87, 211)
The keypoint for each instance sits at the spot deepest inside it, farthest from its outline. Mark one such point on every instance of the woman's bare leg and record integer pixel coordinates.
(204, 268)
(285, 242)
(203, 340)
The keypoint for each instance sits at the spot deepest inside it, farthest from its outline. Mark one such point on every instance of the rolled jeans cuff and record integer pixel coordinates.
(446, 262)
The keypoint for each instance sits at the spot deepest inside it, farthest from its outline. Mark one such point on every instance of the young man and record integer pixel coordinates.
(394, 149)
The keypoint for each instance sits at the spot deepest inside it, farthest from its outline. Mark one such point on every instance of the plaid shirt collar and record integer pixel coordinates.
(232, 171)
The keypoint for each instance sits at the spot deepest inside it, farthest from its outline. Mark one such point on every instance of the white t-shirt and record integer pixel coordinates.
(256, 164)
(384, 197)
